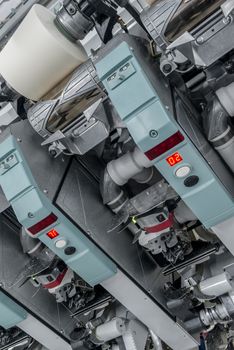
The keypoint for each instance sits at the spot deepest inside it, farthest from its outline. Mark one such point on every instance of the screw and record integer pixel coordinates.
(226, 20)
(89, 233)
(200, 40)
(45, 191)
(153, 133)
(167, 68)
(19, 140)
(30, 215)
(53, 153)
(71, 10)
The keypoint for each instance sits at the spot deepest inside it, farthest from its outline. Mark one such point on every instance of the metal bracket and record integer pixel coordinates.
(227, 7)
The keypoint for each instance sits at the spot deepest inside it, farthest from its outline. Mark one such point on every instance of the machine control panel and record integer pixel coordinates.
(141, 105)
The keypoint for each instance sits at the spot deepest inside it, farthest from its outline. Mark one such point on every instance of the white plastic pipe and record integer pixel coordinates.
(227, 149)
(217, 285)
(226, 97)
(110, 330)
(121, 170)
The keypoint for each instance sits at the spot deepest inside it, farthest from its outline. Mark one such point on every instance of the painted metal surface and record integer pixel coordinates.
(149, 313)
(31, 206)
(43, 334)
(11, 314)
(135, 97)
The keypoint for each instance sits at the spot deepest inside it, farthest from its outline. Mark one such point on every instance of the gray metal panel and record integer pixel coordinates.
(80, 199)
(225, 232)
(189, 124)
(172, 333)
(156, 19)
(43, 334)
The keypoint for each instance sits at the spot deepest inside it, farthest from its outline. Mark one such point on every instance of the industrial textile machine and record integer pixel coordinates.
(117, 175)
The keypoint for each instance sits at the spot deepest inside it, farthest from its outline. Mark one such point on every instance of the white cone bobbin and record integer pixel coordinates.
(37, 57)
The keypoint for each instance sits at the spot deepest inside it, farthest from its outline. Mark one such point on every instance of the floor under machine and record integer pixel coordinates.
(116, 174)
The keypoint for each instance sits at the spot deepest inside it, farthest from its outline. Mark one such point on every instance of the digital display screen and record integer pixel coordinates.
(174, 159)
(52, 234)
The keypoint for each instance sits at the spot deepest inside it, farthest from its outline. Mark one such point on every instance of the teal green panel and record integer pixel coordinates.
(11, 313)
(31, 206)
(137, 102)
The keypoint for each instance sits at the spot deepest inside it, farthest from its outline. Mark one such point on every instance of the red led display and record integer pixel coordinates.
(52, 234)
(174, 159)
(41, 225)
(165, 146)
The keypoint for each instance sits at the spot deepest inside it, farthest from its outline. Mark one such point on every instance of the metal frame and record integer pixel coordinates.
(143, 307)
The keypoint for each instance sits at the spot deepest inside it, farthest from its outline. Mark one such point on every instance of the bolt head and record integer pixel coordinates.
(226, 20)
(153, 133)
(167, 68)
(200, 40)
(53, 153)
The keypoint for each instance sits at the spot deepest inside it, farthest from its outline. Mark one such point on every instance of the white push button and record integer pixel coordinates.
(183, 171)
(61, 243)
